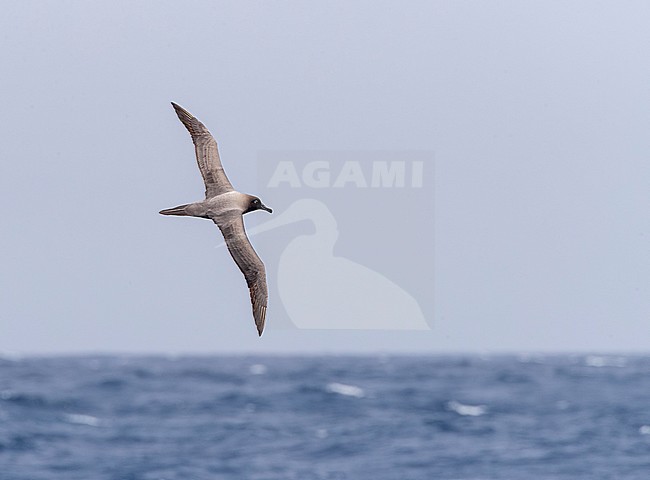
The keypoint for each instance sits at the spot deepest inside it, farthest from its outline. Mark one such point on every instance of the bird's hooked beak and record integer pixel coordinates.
(264, 207)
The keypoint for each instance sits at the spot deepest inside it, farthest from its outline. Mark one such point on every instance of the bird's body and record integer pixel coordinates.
(225, 207)
(214, 208)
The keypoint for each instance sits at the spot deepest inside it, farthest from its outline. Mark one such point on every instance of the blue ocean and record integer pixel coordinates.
(325, 417)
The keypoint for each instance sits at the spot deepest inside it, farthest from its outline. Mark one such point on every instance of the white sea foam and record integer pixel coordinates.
(81, 419)
(257, 369)
(599, 361)
(644, 430)
(466, 410)
(347, 390)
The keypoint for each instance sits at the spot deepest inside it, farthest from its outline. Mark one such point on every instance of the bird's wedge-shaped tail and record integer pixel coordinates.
(181, 210)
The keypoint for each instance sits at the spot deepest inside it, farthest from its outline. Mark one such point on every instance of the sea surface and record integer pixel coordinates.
(325, 417)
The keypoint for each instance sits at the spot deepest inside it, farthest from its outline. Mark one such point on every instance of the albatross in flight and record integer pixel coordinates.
(225, 207)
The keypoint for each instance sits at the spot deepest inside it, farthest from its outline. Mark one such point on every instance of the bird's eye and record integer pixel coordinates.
(256, 200)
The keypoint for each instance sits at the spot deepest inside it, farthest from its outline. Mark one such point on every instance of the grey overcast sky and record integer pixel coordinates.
(538, 114)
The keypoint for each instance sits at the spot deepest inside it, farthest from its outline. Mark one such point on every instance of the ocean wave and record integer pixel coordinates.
(345, 390)
(431, 417)
(23, 399)
(257, 369)
(602, 361)
(81, 419)
(466, 410)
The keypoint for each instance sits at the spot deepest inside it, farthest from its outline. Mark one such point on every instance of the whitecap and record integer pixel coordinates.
(80, 419)
(347, 390)
(644, 430)
(257, 369)
(466, 410)
(600, 361)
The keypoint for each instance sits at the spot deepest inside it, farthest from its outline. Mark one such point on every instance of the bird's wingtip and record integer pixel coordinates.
(183, 115)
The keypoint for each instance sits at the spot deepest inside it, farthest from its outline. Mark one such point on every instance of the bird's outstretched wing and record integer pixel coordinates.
(232, 228)
(207, 154)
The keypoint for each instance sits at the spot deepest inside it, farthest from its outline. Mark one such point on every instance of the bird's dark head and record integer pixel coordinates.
(256, 204)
